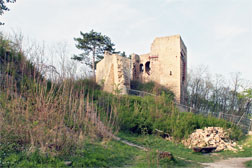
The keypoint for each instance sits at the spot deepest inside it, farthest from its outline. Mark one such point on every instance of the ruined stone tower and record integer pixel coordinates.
(166, 64)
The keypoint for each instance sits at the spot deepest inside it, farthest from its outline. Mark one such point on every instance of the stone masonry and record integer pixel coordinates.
(166, 64)
(113, 72)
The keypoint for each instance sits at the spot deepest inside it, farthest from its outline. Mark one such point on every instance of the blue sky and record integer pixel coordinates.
(217, 33)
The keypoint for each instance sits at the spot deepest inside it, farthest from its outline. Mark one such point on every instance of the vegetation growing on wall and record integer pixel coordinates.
(151, 87)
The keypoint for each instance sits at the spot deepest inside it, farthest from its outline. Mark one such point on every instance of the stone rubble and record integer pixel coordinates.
(211, 137)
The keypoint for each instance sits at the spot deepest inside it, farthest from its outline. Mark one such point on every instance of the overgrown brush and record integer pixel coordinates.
(53, 117)
(151, 87)
(57, 116)
(145, 115)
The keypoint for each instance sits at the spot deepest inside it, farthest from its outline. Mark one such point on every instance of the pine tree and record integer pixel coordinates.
(4, 8)
(94, 45)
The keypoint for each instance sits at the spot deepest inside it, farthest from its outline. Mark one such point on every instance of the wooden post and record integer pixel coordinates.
(250, 127)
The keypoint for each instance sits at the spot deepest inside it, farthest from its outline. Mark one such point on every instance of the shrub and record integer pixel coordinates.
(144, 115)
(151, 87)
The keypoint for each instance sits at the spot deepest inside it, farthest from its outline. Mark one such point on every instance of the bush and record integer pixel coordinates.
(151, 87)
(144, 115)
(139, 115)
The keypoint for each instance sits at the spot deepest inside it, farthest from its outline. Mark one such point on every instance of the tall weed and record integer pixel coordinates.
(52, 116)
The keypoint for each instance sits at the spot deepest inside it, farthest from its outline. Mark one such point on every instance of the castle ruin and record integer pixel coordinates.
(166, 64)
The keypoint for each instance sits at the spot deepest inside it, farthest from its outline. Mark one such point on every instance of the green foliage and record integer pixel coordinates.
(32, 160)
(15, 70)
(109, 154)
(11, 156)
(157, 144)
(248, 164)
(142, 115)
(94, 43)
(139, 115)
(91, 154)
(37, 112)
(147, 87)
(151, 87)
(52, 118)
(4, 8)
(123, 54)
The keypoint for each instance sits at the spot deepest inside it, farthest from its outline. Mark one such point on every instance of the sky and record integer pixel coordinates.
(217, 33)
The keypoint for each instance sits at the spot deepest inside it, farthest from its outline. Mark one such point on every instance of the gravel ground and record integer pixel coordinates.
(229, 163)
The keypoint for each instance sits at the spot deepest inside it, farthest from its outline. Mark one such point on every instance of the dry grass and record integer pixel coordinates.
(53, 116)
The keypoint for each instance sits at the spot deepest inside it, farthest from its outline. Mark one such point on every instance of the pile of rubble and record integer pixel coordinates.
(211, 137)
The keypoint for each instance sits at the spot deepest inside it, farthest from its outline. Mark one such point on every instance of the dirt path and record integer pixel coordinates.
(129, 143)
(229, 163)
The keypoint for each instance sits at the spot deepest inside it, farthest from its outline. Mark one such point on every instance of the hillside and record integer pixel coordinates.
(71, 122)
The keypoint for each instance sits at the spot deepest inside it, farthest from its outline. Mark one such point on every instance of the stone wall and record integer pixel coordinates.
(113, 73)
(166, 64)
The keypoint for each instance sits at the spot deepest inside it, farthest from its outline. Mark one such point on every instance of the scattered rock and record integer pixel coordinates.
(211, 137)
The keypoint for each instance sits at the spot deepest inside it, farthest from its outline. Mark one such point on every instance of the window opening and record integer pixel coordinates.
(184, 71)
(141, 68)
(147, 67)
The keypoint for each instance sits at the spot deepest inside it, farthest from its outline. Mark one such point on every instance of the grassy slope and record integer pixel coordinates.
(149, 113)
(184, 157)
(249, 164)
(108, 153)
(116, 154)
(105, 154)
